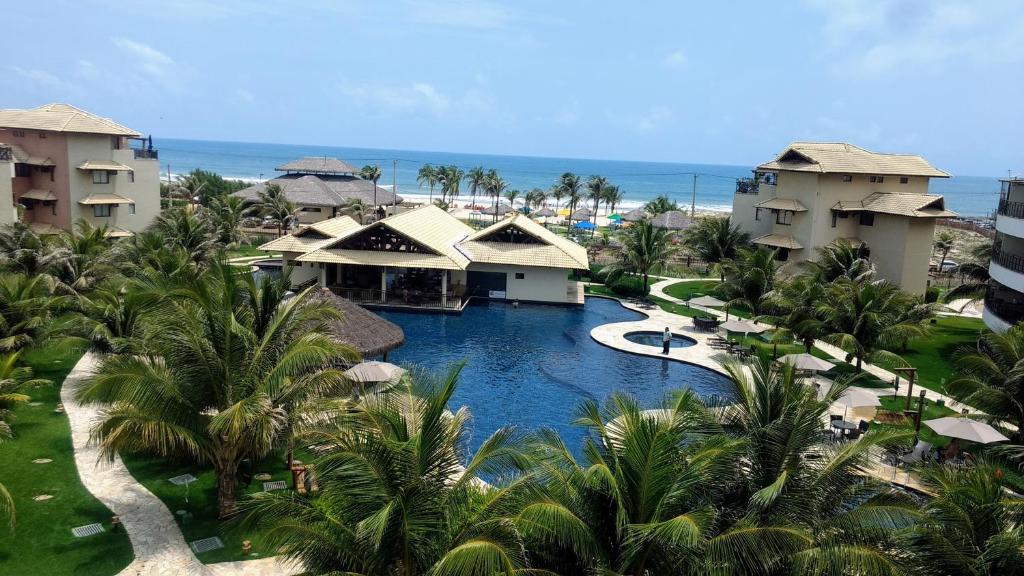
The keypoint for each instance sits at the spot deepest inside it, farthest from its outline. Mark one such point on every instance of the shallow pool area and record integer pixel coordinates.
(654, 339)
(533, 365)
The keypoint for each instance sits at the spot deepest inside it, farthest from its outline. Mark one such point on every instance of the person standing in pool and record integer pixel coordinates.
(666, 338)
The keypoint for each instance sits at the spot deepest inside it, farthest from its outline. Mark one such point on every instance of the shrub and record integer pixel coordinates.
(597, 274)
(931, 294)
(628, 286)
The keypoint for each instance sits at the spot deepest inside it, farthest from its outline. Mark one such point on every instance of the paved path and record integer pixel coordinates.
(158, 544)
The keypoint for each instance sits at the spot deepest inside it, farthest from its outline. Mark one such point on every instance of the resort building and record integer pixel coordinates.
(59, 165)
(426, 258)
(1004, 299)
(814, 193)
(320, 187)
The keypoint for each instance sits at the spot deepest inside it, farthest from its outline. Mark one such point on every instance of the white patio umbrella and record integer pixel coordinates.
(375, 371)
(742, 326)
(805, 361)
(965, 429)
(857, 398)
(706, 301)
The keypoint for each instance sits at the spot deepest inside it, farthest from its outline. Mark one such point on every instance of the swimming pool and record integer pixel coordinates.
(532, 366)
(654, 339)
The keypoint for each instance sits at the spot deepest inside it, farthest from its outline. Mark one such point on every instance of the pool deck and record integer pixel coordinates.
(700, 354)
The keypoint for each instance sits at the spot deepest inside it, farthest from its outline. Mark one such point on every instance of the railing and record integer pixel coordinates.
(746, 186)
(1006, 303)
(146, 154)
(400, 298)
(1014, 262)
(1010, 208)
(6, 154)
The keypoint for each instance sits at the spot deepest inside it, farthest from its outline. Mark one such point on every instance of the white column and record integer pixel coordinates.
(444, 289)
(323, 275)
(383, 283)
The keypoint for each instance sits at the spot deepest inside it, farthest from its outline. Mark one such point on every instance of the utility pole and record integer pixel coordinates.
(394, 186)
(693, 200)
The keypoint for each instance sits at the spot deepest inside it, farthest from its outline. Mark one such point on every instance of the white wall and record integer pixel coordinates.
(537, 284)
(8, 214)
(144, 190)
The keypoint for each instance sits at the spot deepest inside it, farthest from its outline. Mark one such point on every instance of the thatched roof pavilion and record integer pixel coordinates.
(502, 210)
(582, 214)
(672, 220)
(635, 215)
(369, 334)
(544, 213)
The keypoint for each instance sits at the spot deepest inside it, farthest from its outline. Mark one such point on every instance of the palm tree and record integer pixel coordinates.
(226, 214)
(792, 306)
(399, 493)
(715, 239)
(450, 178)
(512, 195)
(660, 205)
(644, 250)
(111, 317)
(355, 208)
(595, 191)
(864, 317)
(14, 380)
(477, 179)
(749, 278)
(842, 259)
(557, 193)
(971, 526)
(612, 197)
(190, 186)
(182, 228)
(372, 173)
(495, 186)
(22, 250)
(273, 204)
(216, 379)
(27, 306)
(427, 176)
(85, 260)
(974, 273)
(944, 242)
(990, 376)
(571, 187)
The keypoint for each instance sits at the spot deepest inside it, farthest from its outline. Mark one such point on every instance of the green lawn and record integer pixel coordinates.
(686, 290)
(154, 473)
(933, 354)
(931, 411)
(42, 542)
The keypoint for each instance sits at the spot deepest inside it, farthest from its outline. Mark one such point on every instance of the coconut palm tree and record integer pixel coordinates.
(792, 306)
(596, 191)
(557, 193)
(211, 386)
(749, 278)
(863, 318)
(184, 229)
(571, 188)
(974, 273)
(85, 261)
(495, 187)
(450, 178)
(945, 240)
(512, 195)
(273, 204)
(225, 214)
(372, 173)
(399, 494)
(660, 205)
(110, 317)
(970, 527)
(715, 239)
(645, 249)
(22, 250)
(27, 307)
(612, 197)
(14, 380)
(356, 208)
(477, 180)
(427, 176)
(990, 376)
(841, 259)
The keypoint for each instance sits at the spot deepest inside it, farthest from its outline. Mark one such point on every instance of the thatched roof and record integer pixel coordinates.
(367, 333)
(582, 214)
(318, 165)
(326, 191)
(502, 210)
(544, 212)
(635, 215)
(672, 220)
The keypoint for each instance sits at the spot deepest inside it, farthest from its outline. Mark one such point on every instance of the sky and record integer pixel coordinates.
(700, 82)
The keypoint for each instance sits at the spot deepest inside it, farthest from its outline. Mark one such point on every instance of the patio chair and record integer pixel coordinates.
(863, 426)
(918, 455)
(834, 417)
(854, 435)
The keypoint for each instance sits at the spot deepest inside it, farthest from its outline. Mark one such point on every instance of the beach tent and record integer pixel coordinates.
(502, 210)
(635, 215)
(563, 212)
(615, 217)
(584, 225)
(672, 220)
(582, 214)
(544, 213)
(965, 429)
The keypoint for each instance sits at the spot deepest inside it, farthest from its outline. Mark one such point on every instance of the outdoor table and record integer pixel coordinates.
(844, 425)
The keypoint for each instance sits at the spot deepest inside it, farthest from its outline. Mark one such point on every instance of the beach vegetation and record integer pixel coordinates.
(660, 205)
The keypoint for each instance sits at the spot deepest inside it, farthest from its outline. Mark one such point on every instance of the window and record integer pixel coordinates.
(877, 179)
(846, 178)
(520, 276)
(131, 175)
(42, 135)
(867, 219)
(131, 208)
(309, 209)
(757, 213)
(784, 217)
(904, 180)
(115, 142)
(100, 177)
(19, 133)
(101, 210)
(22, 171)
(782, 254)
(835, 216)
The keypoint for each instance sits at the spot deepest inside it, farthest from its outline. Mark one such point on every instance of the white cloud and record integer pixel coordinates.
(418, 97)
(476, 14)
(245, 96)
(151, 60)
(434, 99)
(676, 60)
(42, 79)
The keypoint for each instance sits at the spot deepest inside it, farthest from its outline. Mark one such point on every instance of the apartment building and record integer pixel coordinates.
(66, 164)
(814, 193)
(1004, 299)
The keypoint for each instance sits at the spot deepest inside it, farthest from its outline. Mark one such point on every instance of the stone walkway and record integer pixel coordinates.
(159, 547)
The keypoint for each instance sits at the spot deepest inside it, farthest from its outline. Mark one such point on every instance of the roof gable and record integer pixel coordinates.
(844, 158)
(318, 165)
(530, 244)
(62, 118)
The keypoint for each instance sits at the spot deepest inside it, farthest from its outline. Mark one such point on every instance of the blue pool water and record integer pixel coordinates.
(532, 366)
(655, 339)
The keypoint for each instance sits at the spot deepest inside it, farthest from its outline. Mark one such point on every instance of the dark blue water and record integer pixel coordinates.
(655, 339)
(532, 366)
(639, 181)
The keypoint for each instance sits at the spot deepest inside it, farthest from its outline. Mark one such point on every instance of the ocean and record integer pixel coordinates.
(639, 181)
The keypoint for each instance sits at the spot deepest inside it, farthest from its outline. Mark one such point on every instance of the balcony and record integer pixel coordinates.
(146, 154)
(1005, 303)
(746, 186)
(1008, 268)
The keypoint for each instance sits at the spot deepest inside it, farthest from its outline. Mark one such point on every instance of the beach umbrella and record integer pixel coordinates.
(742, 326)
(706, 301)
(672, 220)
(582, 214)
(615, 217)
(502, 210)
(857, 398)
(584, 225)
(563, 212)
(965, 429)
(374, 371)
(635, 215)
(805, 361)
(544, 212)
